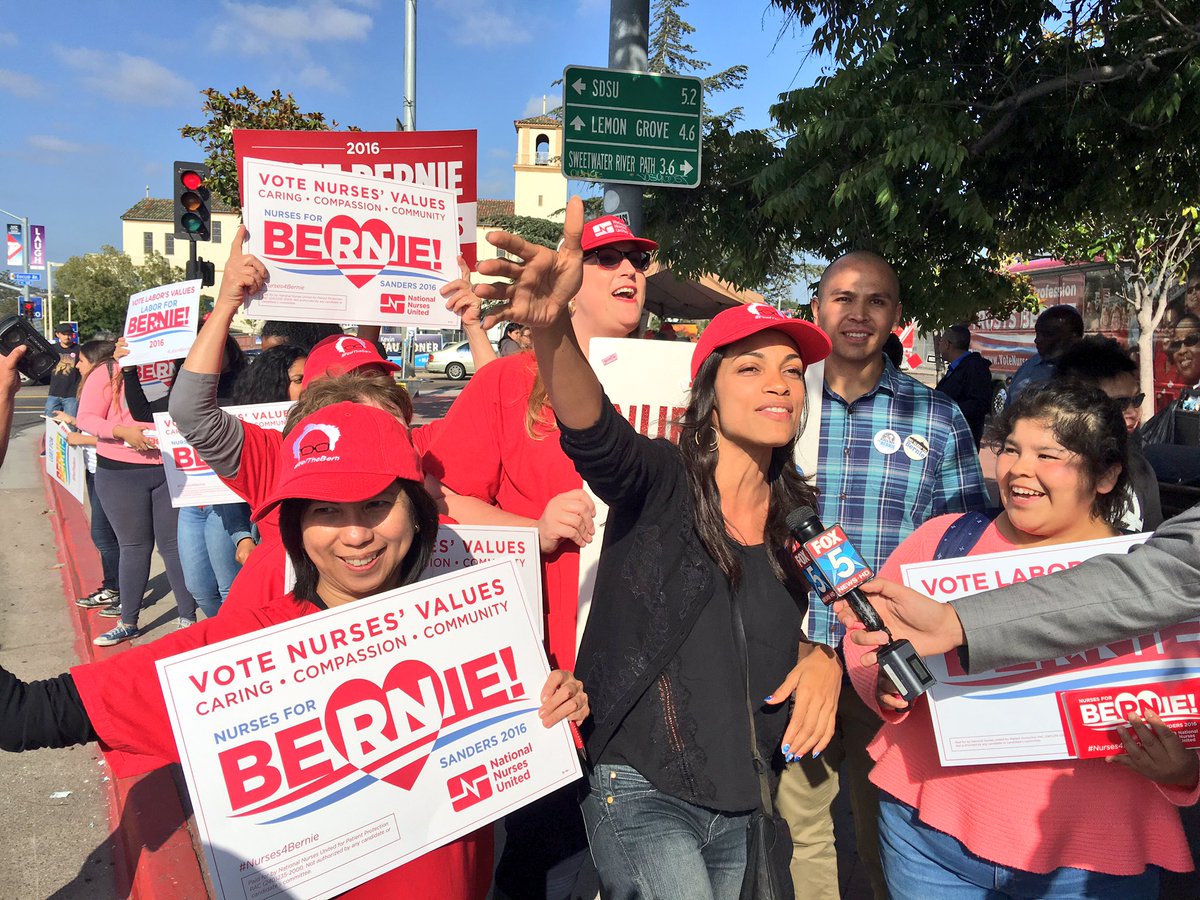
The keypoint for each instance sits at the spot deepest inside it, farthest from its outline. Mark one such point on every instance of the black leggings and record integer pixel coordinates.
(138, 506)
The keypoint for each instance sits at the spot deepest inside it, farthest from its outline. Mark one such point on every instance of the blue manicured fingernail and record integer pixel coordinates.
(768, 698)
(786, 747)
(789, 757)
(816, 753)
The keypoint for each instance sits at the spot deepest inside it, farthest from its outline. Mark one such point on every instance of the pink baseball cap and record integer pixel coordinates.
(611, 230)
(731, 325)
(339, 354)
(343, 453)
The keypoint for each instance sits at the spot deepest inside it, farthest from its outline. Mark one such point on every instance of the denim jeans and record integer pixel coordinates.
(922, 863)
(206, 552)
(69, 405)
(652, 846)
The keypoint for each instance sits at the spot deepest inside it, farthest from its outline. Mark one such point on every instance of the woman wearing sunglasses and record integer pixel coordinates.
(495, 459)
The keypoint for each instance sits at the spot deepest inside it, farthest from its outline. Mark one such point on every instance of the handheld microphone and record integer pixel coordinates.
(834, 569)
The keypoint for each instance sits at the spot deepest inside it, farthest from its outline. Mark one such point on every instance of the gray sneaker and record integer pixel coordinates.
(102, 597)
(112, 611)
(117, 635)
(184, 623)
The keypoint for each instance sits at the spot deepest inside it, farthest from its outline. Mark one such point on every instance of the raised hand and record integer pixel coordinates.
(243, 274)
(543, 282)
(460, 298)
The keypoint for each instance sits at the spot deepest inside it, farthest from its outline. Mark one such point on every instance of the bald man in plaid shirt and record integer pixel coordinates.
(887, 454)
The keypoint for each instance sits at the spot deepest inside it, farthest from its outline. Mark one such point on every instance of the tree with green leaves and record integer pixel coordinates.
(100, 285)
(951, 136)
(243, 108)
(670, 52)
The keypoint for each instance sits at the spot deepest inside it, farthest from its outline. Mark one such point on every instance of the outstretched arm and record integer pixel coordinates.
(543, 283)
(461, 301)
(41, 714)
(10, 382)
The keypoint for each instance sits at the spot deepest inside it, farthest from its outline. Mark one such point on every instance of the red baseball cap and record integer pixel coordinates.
(611, 230)
(731, 325)
(339, 354)
(343, 453)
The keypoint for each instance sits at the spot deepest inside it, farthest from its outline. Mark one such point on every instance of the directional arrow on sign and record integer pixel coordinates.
(686, 167)
(579, 86)
(577, 123)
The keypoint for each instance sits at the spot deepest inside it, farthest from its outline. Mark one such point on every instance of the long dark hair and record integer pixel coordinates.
(788, 488)
(425, 518)
(266, 379)
(95, 352)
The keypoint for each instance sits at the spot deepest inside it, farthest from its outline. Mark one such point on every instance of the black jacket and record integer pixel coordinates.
(969, 385)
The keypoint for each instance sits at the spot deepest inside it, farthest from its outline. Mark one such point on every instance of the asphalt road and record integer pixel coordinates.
(54, 815)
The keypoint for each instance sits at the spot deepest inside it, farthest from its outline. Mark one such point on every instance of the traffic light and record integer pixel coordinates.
(28, 305)
(193, 201)
(200, 268)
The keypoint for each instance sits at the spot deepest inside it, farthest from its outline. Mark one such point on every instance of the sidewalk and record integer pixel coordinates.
(146, 846)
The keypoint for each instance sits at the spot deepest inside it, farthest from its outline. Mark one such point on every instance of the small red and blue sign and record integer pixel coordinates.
(838, 562)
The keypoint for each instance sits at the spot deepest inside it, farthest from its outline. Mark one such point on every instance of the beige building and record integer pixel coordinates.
(540, 189)
(150, 225)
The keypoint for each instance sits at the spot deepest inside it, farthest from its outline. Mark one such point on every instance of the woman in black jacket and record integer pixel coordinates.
(694, 531)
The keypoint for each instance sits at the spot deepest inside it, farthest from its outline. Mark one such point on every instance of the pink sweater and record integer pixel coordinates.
(97, 416)
(1036, 816)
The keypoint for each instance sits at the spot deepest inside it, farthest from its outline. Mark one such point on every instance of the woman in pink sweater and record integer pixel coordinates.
(1062, 829)
(132, 488)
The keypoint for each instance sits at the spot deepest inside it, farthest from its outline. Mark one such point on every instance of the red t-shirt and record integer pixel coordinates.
(481, 449)
(126, 706)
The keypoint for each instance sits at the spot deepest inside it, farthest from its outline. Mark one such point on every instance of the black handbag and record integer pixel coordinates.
(768, 839)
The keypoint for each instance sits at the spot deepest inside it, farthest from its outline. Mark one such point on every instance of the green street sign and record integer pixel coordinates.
(631, 127)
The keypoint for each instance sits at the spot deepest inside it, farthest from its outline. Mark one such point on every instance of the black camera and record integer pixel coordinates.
(41, 357)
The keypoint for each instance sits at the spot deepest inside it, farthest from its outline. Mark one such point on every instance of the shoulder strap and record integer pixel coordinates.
(739, 638)
(964, 533)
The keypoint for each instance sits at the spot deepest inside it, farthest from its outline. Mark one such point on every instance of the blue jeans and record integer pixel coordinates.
(103, 537)
(69, 405)
(206, 552)
(922, 863)
(652, 846)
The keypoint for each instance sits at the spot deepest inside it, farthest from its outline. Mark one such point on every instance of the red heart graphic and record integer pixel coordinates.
(360, 251)
(388, 731)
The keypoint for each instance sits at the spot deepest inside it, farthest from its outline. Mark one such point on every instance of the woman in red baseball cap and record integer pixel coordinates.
(695, 541)
(495, 459)
(356, 521)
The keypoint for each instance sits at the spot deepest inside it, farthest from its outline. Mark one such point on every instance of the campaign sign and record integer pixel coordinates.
(838, 562)
(190, 480)
(64, 463)
(156, 379)
(445, 159)
(1012, 714)
(161, 322)
(341, 247)
(459, 546)
(648, 383)
(321, 752)
(1091, 717)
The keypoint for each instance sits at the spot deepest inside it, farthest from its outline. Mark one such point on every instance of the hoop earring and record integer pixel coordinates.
(716, 441)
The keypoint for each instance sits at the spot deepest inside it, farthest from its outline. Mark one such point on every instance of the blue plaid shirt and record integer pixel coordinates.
(879, 497)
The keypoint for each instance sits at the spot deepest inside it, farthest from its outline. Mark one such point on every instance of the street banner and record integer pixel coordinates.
(161, 323)
(445, 159)
(64, 463)
(459, 546)
(1017, 713)
(349, 248)
(324, 751)
(37, 246)
(190, 480)
(648, 383)
(16, 246)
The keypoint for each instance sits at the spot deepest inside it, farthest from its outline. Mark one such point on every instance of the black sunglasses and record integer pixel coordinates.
(1124, 403)
(1190, 341)
(610, 258)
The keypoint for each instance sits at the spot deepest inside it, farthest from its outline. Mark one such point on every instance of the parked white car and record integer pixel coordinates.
(454, 361)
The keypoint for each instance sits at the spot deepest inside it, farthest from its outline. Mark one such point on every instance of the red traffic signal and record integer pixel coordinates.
(193, 201)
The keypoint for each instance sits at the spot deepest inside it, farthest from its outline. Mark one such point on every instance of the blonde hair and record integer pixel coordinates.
(375, 388)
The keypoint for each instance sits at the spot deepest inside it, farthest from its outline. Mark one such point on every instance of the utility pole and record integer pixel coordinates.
(410, 65)
(628, 48)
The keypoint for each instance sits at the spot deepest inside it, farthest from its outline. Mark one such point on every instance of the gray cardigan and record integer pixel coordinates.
(1105, 599)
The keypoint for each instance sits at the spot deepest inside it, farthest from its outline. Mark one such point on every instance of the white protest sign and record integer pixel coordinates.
(648, 383)
(325, 750)
(459, 546)
(340, 247)
(161, 323)
(1015, 714)
(190, 480)
(64, 463)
